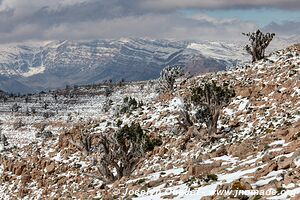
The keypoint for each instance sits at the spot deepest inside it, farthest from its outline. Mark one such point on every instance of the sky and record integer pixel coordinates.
(44, 20)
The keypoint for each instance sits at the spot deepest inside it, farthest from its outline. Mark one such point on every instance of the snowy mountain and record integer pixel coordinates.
(40, 66)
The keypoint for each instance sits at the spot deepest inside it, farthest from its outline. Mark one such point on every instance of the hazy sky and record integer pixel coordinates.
(22, 20)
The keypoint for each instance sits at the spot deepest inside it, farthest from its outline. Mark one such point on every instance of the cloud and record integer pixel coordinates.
(162, 26)
(285, 28)
(223, 4)
(22, 20)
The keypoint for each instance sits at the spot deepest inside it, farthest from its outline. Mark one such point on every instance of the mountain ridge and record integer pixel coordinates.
(58, 63)
(33, 67)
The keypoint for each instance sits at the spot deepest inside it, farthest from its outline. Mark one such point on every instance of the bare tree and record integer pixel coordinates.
(209, 99)
(168, 76)
(259, 43)
(185, 121)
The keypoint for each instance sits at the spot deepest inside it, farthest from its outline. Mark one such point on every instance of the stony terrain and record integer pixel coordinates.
(256, 147)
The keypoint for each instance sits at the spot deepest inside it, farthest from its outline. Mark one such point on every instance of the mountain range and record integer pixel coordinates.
(33, 67)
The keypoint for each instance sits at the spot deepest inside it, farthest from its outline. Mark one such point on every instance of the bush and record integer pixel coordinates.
(119, 123)
(238, 186)
(151, 143)
(130, 104)
(280, 190)
(121, 151)
(168, 76)
(3, 141)
(212, 177)
(106, 105)
(209, 99)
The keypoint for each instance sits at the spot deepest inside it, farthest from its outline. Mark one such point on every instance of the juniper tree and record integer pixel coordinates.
(259, 43)
(168, 76)
(121, 151)
(209, 99)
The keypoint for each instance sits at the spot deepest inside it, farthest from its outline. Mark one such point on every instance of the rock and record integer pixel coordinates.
(116, 184)
(267, 169)
(50, 168)
(19, 170)
(169, 166)
(154, 183)
(284, 162)
(206, 198)
(25, 178)
(242, 150)
(162, 151)
(202, 169)
(296, 197)
(221, 151)
(22, 192)
(267, 157)
(184, 177)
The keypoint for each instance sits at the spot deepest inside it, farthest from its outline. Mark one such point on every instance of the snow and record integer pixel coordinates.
(264, 181)
(176, 103)
(226, 159)
(219, 50)
(273, 175)
(297, 161)
(228, 178)
(278, 142)
(229, 111)
(243, 104)
(34, 71)
(155, 176)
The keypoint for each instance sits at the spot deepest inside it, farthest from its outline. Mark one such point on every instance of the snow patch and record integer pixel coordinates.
(34, 71)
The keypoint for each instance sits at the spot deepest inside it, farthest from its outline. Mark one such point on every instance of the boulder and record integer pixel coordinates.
(50, 168)
(284, 162)
(202, 169)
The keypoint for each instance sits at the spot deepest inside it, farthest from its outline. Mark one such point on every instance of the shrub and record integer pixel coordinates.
(3, 141)
(130, 104)
(106, 105)
(238, 186)
(168, 76)
(212, 177)
(119, 123)
(140, 181)
(15, 108)
(209, 99)
(280, 190)
(151, 143)
(121, 151)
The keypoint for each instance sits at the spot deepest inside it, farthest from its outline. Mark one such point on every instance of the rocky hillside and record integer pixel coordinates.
(256, 148)
(41, 66)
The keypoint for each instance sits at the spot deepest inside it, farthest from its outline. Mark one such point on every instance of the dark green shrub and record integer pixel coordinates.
(119, 123)
(151, 143)
(212, 177)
